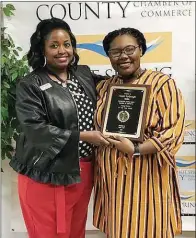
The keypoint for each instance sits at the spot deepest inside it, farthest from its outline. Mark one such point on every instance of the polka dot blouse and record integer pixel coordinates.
(85, 113)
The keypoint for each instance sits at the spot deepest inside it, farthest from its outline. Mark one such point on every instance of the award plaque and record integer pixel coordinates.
(125, 111)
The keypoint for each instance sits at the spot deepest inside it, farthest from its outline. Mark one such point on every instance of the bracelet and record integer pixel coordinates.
(136, 150)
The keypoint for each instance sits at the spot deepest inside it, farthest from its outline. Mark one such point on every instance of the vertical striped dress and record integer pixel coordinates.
(139, 197)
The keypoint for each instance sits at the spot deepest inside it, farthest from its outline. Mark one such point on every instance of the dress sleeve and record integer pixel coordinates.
(171, 109)
(32, 115)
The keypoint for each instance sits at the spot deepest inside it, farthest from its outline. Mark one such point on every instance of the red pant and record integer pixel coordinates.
(56, 211)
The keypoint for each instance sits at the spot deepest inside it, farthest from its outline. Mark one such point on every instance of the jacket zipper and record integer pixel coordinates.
(77, 117)
(38, 158)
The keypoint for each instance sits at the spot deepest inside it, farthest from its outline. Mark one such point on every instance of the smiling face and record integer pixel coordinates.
(125, 64)
(58, 49)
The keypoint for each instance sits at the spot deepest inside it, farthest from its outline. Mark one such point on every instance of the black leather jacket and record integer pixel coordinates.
(47, 148)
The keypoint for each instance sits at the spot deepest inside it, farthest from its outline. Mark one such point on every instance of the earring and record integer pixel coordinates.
(44, 61)
(73, 60)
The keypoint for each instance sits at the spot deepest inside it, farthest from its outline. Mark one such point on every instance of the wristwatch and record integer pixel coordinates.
(136, 150)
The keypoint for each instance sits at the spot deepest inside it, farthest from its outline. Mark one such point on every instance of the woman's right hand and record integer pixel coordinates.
(94, 137)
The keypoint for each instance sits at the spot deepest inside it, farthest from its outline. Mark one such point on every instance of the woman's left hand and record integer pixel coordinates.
(122, 144)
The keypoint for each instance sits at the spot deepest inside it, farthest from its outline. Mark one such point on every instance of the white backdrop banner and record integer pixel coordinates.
(170, 32)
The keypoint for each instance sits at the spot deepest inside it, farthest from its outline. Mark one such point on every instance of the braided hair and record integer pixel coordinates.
(125, 31)
(35, 55)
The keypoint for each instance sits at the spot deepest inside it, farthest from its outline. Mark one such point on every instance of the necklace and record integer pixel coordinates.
(56, 76)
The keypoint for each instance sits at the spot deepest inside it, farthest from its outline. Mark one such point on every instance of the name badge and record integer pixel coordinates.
(45, 86)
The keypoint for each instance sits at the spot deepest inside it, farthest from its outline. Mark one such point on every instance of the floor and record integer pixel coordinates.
(97, 234)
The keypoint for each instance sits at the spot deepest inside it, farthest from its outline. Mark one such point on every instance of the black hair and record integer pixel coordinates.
(125, 31)
(35, 55)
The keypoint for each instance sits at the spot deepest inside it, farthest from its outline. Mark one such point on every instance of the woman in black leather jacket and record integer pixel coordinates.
(55, 106)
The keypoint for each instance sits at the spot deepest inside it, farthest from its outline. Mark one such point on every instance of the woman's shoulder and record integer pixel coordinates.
(32, 79)
(157, 74)
(104, 84)
(83, 69)
(158, 78)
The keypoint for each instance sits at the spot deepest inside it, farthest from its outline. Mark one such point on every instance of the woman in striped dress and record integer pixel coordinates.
(136, 191)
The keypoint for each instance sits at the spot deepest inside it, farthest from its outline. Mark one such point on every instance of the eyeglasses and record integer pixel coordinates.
(128, 50)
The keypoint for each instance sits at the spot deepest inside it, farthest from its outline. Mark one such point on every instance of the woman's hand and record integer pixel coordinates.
(94, 137)
(122, 144)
